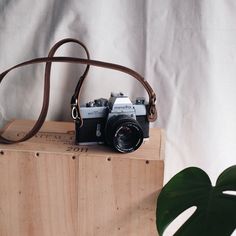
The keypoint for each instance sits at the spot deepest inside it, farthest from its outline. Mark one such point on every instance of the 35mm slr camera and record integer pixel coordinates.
(116, 122)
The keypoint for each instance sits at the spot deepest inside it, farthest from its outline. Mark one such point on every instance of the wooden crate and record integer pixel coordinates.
(48, 186)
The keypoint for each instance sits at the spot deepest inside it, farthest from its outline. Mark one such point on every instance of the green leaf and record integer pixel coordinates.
(216, 211)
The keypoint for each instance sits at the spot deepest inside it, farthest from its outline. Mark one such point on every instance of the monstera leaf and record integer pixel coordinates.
(215, 213)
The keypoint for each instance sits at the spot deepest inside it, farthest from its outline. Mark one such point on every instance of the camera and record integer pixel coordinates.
(116, 122)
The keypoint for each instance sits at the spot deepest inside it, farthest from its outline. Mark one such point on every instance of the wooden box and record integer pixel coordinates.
(48, 186)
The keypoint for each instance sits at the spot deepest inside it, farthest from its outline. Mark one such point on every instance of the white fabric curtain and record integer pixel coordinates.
(185, 49)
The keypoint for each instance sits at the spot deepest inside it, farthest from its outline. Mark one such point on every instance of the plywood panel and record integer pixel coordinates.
(59, 137)
(124, 202)
(38, 194)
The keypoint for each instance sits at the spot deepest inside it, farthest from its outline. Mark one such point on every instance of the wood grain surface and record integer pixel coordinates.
(46, 189)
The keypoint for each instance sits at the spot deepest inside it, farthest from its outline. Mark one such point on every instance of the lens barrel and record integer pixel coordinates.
(123, 133)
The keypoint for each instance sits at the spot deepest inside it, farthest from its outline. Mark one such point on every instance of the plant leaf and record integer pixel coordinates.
(216, 212)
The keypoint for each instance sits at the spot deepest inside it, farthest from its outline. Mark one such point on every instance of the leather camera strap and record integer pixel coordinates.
(151, 112)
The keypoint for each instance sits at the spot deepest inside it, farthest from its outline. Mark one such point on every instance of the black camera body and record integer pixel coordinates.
(116, 122)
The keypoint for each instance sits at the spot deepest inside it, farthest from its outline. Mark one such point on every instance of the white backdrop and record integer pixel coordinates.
(185, 49)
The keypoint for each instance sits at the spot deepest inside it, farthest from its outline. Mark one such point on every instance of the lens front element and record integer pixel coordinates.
(124, 134)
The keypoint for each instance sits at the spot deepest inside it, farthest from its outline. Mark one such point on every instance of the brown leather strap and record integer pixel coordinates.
(46, 93)
(74, 99)
(152, 113)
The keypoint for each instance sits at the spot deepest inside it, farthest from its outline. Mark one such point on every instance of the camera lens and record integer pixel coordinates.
(124, 133)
